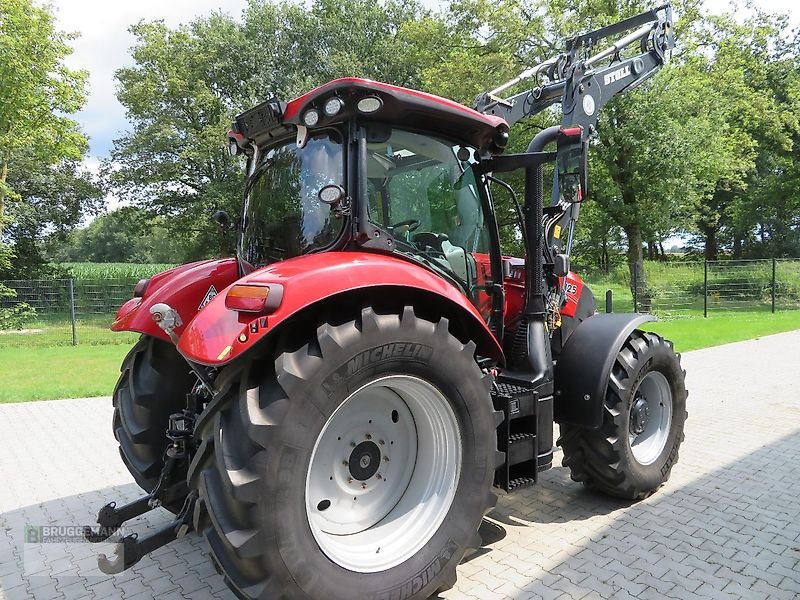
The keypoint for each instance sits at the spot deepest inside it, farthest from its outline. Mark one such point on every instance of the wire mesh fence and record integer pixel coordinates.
(64, 311)
(80, 311)
(675, 289)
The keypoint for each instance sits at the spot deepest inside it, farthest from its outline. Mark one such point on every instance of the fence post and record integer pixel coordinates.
(609, 307)
(72, 310)
(635, 288)
(774, 269)
(705, 289)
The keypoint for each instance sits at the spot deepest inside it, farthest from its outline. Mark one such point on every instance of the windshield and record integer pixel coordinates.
(283, 215)
(423, 190)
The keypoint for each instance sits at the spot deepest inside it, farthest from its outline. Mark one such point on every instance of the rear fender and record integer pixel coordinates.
(186, 288)
(338, 280)
(584, 366)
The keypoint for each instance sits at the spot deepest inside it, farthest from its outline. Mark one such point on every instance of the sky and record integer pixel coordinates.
(104, 42)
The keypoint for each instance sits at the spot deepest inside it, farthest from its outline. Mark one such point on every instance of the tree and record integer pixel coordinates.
(36, 91)
(127, 234)
(53, 199)
(15, 316)
(741, 61)
(188, 83)
(41, 186)
(641, 172)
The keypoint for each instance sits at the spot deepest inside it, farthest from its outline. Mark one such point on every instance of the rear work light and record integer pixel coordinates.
(369, 104)
(248, 297)
(311, 118)
(333, 106)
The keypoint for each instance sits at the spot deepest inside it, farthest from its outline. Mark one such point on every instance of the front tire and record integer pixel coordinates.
(633, 452)
(301, 500)
(153, 384)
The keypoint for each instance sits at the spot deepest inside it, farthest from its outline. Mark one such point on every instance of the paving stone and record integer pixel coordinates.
(726, 525)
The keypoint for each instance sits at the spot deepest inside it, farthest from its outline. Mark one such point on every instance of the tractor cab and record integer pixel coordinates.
(356, 164)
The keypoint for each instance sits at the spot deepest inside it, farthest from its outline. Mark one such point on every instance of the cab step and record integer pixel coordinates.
(519, 436)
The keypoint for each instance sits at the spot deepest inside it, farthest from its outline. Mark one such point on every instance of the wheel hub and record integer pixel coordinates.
(383, 473)
(639, 416)
(364, 461)
(650, 418)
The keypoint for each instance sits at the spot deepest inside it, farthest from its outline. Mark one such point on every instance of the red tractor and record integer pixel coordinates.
(341, 397)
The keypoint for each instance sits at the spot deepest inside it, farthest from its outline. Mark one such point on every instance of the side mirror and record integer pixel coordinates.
(572, 162)
(222, 219)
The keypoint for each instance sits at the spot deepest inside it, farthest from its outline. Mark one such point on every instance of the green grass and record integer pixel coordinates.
(62, 372)
(693, 333)
(48, 333)
(30, 372)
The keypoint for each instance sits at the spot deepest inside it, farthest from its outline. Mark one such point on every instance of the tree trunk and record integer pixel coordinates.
(663, 257)
(651, 250)
(604, 258)
(636, 267)
(737, 246)
(3, 177)
(710, 238)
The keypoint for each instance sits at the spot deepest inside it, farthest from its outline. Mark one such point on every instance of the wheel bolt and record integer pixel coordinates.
(386, 458)
(363, 486)
(369, 437)
(349, 480)
(381, 442)
(352, 444)
(345, 463)
(378, 476)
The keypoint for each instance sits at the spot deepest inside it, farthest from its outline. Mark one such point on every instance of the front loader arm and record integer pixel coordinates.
(576, 79)
(583, 80)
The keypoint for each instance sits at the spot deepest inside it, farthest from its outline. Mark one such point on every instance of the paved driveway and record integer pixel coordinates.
(727, 525)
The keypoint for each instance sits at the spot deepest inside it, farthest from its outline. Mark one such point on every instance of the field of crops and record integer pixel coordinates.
(95, 271)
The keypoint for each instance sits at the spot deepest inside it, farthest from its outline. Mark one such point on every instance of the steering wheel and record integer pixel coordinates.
(412, 224)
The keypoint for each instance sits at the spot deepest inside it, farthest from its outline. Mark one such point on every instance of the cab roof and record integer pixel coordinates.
(403, 107)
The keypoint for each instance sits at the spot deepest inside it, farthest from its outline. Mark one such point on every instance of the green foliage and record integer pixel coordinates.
(16, 315)
(128, 234)
(751, 68)
(41, 185)
(36, 89)
(706, 148)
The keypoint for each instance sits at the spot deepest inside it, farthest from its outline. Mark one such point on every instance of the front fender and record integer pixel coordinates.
(584, 366)
(218, 335)
(184, 288)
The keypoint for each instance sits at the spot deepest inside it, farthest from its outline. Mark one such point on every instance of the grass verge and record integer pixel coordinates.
(59, 372)
(693, 333)
(31, 373)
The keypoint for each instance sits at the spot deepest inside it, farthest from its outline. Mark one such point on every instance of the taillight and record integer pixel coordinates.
(140, 288)
(250, 297)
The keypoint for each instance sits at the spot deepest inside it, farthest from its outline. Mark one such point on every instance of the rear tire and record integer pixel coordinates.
(271, 469)
(154, 382)
(633, 452)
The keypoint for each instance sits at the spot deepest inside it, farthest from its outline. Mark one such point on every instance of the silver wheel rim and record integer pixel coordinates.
(383, 473)
(650, 418)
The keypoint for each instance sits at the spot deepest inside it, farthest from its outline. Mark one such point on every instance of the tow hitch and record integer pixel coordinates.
(131, 549)
(171, 485)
